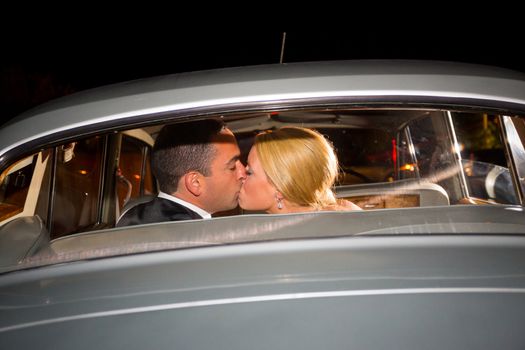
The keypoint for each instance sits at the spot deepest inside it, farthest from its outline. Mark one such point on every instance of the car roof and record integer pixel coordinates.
(330, 79)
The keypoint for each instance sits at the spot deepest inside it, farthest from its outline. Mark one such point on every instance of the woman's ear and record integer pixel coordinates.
(194, 183)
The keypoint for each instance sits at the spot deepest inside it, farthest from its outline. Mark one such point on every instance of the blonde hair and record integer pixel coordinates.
(300, 163)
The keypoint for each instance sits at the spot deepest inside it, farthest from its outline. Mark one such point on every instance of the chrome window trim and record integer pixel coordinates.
(92, 127)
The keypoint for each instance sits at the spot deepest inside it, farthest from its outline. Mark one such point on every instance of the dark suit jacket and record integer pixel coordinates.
(156, 210)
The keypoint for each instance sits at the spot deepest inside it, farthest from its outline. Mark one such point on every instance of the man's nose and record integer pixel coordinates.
(241, 170)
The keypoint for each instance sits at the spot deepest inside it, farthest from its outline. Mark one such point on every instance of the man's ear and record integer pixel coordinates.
(194, 183)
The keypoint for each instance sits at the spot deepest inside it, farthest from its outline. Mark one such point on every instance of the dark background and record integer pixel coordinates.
(46, 63)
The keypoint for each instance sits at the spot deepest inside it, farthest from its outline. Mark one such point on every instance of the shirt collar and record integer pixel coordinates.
(201, 212)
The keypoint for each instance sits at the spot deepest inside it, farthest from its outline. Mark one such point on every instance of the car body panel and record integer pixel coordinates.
(380, 292)
(444, 271)
(261, 227)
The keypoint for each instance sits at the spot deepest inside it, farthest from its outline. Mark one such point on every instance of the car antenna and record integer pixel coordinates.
(282, 47)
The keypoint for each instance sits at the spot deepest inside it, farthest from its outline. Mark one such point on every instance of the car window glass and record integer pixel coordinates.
(134, 179)
(365, 155)
(432, 146)
(14, 186)
(515, 129)
(77, 186)
(404, 157)
(483, 158)
(25, 187)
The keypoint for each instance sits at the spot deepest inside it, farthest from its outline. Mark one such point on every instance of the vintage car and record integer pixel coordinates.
(432, 151)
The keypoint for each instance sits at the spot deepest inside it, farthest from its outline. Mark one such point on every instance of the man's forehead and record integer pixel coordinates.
(226, 147)
(224, 136)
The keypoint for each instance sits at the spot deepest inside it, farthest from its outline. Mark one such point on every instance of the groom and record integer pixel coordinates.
(199, 172)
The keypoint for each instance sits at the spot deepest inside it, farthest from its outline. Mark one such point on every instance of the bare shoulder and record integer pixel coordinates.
(343, 205)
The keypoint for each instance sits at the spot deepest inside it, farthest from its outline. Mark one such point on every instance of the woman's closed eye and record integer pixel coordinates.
(249, 171)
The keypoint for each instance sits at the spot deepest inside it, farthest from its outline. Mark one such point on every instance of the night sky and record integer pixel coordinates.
(43, 65)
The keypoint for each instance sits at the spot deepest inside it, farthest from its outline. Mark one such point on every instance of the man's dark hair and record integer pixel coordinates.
(183, 147)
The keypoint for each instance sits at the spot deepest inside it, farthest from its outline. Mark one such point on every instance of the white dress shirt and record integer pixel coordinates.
(201, 212)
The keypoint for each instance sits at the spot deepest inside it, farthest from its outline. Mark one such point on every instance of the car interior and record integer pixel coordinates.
(389, 158)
